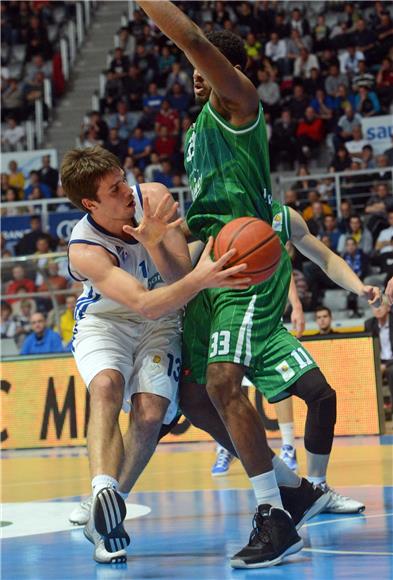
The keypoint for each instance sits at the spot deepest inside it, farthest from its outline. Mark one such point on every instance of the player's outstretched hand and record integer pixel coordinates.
(373, 294)
(389, 291)
(153, 227)
(298, 321)
(214, 275)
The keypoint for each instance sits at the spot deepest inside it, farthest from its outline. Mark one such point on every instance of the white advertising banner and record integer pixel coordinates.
(28, 160)
(378, 131)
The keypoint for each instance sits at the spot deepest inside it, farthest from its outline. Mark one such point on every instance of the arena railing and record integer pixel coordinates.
(343, 186)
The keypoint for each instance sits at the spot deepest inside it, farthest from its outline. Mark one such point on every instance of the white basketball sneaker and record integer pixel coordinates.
(80, 515)
(340, 504)
(101, 554)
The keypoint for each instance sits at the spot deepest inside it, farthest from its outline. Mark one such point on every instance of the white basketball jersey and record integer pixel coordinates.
(131, 256)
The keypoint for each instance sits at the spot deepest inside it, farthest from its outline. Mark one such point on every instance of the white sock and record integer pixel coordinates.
(123, 494)
(284, 475)
(101, 481)
(287, 434)
(266, 489)
(219, 448)
(316, 480)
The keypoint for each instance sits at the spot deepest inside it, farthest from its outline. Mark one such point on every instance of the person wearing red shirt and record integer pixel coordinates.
(165, 145)
(19, 281)
(310, 133)
(167, 117)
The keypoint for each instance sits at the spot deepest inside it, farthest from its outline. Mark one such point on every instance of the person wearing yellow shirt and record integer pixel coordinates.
(16, 178)
(67, 320)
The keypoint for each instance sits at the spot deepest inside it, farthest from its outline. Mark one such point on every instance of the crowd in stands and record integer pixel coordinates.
(30, 33)
(319, 68)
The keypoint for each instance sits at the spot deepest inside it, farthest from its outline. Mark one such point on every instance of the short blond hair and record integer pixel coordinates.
(82, 170)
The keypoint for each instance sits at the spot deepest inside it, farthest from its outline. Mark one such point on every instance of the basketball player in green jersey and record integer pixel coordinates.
(227, 162)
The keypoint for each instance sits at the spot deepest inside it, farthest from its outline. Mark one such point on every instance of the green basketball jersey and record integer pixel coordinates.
(228, 172)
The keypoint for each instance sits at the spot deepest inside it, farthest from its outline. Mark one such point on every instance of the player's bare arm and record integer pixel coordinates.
(234, 90)
(297, 314)
(161, 234)
(96, 264)
(333, 266)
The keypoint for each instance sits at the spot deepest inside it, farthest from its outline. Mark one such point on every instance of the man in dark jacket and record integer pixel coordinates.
(381, 326)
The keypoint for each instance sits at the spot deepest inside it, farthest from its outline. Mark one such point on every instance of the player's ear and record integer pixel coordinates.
(89, 204)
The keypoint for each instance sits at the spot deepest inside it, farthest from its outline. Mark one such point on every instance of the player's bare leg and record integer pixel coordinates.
(140, 441)
(105, 447)
(284, 411)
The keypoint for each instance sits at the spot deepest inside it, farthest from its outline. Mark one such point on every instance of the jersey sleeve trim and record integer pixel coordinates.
(247, 128)
(89, 243)
(139, 192)
(287, 222)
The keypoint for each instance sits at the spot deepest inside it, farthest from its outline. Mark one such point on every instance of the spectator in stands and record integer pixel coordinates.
(381, 327)
(298, 103)
(294, 45)
(366, 102)
(42, 340)
(12, 100)
(48, 175)
(37, 41)
(53, 281)
(331, 230)
(10, 196)
(312, 197)
(123, 120)
(341, 160)
(42, 248)
(355, 145)
(153, 166)
(377, 207)
(320, 34)
(357, 260)
(13, 138)
(349, 61)
(7, 324)
(363, 78)
(116, 145)
(22, 315)
(146, 62)
(291, 200)
(269, 93)
(133, 88)
(5, 185)
(164, 175)
(119, 64)
(323, 106)
(153, 99)
(316, 221)
(139, 147)
(323, 318)
(276, 51)
(167, 117)
(283, 142)
(384, 32)
(367, 157)
(34, 181)
(299, 23)
(19, 280)
(34, 90)
(113, 92)
(384, 82)
(38, 65)
(137, 24)
(179, 76)
(334, 80)
(178, 98)
(16, 178)
(346, 211)
(360, 234)
(67, 320)
(346, 125)
(165, 62)
(165, 144)
(280, 27)
(364, 38)
(310, 133)
(304, 63)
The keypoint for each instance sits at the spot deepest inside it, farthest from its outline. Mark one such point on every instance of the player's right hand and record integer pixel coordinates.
(214, 274)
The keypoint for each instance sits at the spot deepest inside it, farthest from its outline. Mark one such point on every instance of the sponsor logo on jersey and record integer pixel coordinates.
(285, 370)
(154, 280)
(277, 222)
(156, 359)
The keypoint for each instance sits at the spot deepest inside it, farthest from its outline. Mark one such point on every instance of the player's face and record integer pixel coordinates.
(115, 198)
(323, 320)
(202, 89)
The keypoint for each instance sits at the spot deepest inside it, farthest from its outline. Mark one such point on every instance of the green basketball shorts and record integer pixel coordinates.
(233, 327)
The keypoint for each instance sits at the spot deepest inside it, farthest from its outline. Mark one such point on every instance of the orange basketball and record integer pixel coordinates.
(256, 243)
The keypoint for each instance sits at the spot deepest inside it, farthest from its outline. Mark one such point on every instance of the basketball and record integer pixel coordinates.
(256, 243)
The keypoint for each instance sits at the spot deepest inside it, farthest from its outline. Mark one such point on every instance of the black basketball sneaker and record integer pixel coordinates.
(273, 537)
(109, 511)
(303, 502)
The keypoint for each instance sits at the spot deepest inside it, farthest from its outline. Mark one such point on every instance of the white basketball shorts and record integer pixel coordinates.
(147, 354)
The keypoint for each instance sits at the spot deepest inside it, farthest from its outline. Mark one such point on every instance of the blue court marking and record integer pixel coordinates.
(192, 535)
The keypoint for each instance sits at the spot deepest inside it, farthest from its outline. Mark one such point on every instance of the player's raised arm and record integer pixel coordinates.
(333, 265)
(96, 264)
(235, 91)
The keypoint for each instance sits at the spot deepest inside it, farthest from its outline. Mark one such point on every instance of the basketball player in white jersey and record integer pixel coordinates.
(133, 260)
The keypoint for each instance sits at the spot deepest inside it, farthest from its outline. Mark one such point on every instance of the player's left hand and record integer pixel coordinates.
(372, 293)
(298, 320)
(153, 227)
